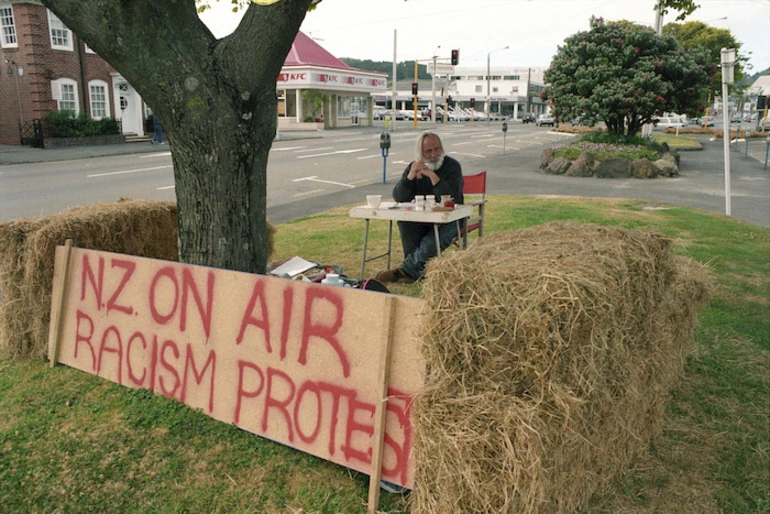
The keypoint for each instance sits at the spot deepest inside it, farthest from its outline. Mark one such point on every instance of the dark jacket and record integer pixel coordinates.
(451, 183)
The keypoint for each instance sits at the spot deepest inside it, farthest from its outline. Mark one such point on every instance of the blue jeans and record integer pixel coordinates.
(419, 243)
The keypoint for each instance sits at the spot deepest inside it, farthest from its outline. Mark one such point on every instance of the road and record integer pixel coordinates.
(341, 167)
(297, 169)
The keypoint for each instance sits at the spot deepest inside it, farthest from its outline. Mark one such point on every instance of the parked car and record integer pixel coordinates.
(706, 122)
(545, 119)
(671, 122)
(528, 118)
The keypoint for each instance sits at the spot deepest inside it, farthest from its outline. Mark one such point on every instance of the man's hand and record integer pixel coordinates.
(419, 170)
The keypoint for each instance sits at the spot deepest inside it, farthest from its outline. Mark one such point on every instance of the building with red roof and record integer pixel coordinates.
(315, 85)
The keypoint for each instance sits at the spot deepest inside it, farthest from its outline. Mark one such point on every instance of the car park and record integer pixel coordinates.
(545, 119)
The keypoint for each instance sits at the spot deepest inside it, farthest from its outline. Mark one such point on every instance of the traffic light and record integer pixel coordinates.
(414, 88)
(473, 103)
(455, 57)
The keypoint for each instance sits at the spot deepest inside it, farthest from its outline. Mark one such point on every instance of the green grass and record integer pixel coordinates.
(71, 442)
(677, 142)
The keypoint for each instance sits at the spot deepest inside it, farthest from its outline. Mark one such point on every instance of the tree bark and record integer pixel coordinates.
(217, 102)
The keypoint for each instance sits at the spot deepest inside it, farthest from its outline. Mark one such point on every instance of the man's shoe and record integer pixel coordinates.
(394, 275)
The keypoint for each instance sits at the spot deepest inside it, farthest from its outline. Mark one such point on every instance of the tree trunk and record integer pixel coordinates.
(216, 100)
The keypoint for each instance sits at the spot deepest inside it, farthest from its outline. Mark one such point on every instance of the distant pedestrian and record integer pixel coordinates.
(157, 137)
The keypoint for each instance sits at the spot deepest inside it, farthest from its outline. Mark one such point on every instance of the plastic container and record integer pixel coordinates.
(332, 279)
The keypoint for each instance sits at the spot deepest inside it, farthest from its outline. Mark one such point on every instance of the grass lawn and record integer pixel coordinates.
(677, 142)
(71, 442)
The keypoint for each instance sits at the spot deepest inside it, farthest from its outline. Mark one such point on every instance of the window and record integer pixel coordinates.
(478, 89)
(100, 108)
(64, 92)
(7, 27)
(511, 77)
(61, 36)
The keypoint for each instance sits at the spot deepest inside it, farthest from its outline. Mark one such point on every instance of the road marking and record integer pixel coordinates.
(315, 149)
(314, 178)
(308, 192)
(165, 187)
(369, 157)
(355, 150)
(362, 181)
(159, 154)
(287, 148)
(138, 170)
(471, 154)
(465, 143)
(481, 135)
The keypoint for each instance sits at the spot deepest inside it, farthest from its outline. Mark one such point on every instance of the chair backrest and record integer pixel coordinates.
(475, 184)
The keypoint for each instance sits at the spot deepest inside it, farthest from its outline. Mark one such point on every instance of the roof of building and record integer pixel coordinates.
(762, 85)
(306, 52)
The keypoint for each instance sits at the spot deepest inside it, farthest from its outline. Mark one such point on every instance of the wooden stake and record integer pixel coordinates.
(58, 294)
(380, 415)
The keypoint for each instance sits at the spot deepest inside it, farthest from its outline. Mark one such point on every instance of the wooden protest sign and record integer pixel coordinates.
(294, 362)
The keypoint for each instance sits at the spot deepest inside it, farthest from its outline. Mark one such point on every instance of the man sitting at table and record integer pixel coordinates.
(432, 173)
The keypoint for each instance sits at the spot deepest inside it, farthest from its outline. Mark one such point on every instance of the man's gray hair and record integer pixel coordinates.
(418, 152)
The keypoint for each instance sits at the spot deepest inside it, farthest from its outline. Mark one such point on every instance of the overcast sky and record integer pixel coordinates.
(532, 29)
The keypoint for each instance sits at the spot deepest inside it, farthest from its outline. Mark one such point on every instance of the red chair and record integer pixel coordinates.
(475, 185)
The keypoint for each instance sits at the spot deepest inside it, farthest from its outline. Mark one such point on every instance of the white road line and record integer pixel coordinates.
(316, 179)
(481, 135)
(315, 149)
(138, 170)
(370, 156)
(159, 154)
(165, 187)
(465, 143)
(471, 154)
(355, 150)
(287, 148)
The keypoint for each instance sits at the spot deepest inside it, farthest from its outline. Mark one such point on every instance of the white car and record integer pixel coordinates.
(671, 122)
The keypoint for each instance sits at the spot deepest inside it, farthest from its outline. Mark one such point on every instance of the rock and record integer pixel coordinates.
(674, 154)
(546, 157)
(583, 166)
(558, 166)
(614, 168)
(666, 168)
(643, 168)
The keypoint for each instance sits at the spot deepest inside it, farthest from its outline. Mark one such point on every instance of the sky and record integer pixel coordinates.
(531, 29)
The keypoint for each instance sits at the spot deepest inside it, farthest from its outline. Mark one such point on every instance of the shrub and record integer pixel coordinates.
(66, 124)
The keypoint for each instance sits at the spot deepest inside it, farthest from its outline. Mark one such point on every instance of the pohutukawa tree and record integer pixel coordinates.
(625, 75)
(216, 100)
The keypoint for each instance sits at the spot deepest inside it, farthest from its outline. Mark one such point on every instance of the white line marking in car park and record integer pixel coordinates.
(471, 154)
(287, 148)
(330, 153)
(370, 156)
(481, 135)
(165, 187)
(465, 143)
(314, 178)
(159, 154)
(138, 170)
(400, 162)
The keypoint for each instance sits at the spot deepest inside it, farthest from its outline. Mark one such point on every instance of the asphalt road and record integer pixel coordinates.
(309, 173)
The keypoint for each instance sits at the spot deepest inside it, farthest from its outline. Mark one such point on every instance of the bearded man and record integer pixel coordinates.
(432, 173)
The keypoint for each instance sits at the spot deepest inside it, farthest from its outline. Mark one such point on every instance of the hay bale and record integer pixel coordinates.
(551, 353)
(27, 249)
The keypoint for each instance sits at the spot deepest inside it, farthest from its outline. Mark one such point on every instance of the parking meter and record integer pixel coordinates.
(385, 140)
(505, 126)
(385, 146)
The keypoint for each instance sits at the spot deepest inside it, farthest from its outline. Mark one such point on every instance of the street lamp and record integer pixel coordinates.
(728, 64)
(433, 87)
(489, 96)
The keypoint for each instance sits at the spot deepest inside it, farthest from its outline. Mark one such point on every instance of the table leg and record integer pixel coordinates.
(462, 242)
(390, 238)
(438, 243)
(366, 240)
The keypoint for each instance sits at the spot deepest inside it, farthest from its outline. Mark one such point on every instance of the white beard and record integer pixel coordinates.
(436, 164)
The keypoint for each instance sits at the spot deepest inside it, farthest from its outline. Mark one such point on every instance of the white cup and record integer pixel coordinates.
(430, 202)
(419, 203)
(373, 201)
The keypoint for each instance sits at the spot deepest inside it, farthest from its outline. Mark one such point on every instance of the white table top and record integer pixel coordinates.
(400, 212)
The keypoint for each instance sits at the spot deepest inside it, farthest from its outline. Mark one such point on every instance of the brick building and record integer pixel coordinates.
(45, 68)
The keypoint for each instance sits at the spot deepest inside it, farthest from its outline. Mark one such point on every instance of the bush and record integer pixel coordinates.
(66, 124)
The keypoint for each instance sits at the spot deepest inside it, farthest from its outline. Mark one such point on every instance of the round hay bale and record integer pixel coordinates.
(551, 352)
